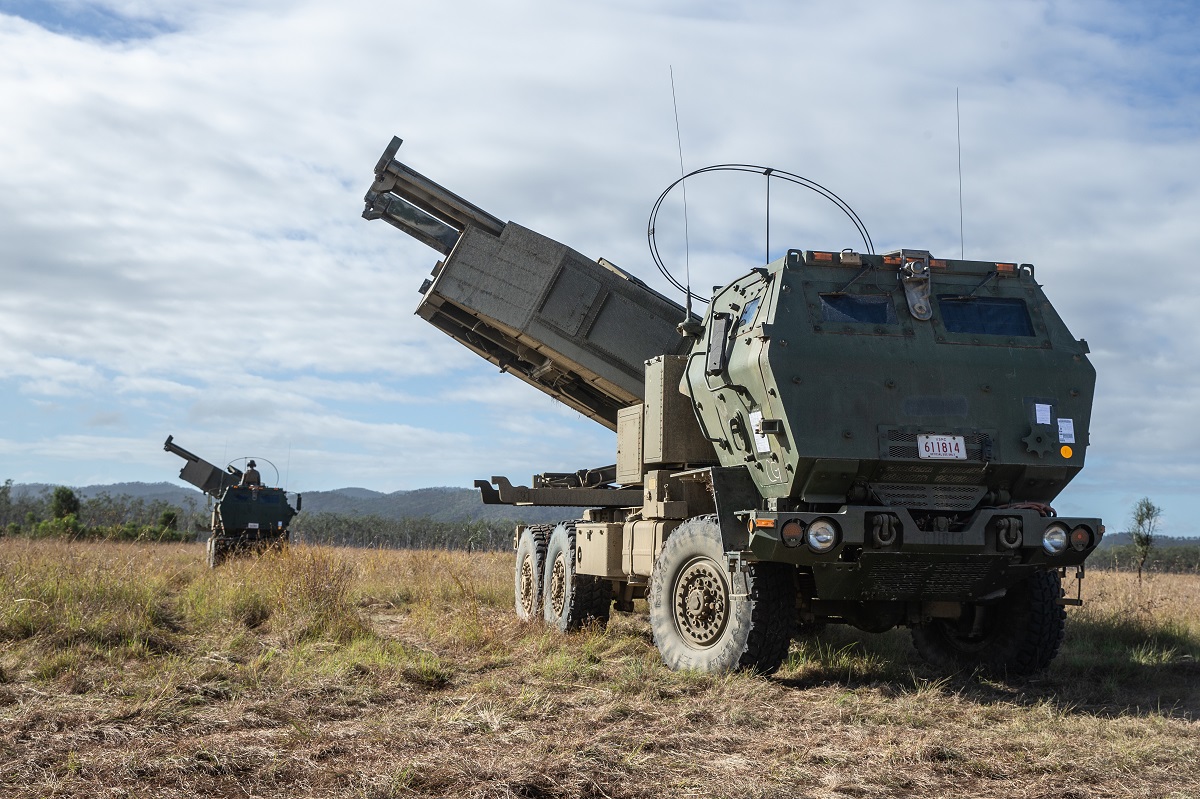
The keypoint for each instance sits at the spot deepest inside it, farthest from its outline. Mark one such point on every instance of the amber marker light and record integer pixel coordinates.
(758, 524)
(1067, 451)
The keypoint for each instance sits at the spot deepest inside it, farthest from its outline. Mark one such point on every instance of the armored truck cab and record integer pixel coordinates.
(844, 437)
(245, 518)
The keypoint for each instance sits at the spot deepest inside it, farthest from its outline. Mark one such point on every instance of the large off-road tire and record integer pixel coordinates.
(527, 577)
(571, 600)
(1018, 634)
(707, 619)
(216, 551)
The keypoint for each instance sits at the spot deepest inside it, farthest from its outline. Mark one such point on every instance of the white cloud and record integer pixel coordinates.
(180, 245)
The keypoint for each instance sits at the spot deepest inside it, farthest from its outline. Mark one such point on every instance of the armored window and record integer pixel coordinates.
(748, 312)
(866, 309)
(991, 316)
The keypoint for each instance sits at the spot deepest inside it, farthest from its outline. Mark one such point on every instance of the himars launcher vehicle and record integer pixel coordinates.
(245, 517)
(845, 437)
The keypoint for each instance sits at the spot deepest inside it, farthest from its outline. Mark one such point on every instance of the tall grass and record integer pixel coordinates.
(340, 672)
(113, 600)
(1128, 629)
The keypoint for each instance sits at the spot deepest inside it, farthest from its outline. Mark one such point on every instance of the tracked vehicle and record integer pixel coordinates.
(246, 518)
(844, 437)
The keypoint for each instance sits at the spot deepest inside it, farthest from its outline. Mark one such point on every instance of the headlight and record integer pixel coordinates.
(1054, 540)
(822, 535)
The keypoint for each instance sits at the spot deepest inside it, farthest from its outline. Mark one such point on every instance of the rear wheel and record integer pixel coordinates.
(527, 579)
(703, 617)
(1016, 635)
(571, 600)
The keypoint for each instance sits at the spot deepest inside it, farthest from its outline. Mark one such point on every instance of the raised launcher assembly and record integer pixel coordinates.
(580, 330)
(244, 518)
(846, 438)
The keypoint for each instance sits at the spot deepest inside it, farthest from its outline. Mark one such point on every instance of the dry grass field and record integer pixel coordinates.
(132, 670)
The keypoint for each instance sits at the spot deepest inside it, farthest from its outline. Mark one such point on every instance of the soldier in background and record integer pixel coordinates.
(250, 477)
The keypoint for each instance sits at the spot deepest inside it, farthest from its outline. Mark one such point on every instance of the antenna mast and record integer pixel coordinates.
(958, 126)
(687, 265)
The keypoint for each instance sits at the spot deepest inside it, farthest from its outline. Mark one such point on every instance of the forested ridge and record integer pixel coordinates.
(43, 511)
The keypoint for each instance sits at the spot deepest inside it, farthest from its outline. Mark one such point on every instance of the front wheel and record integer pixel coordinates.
(1016, 635)
(706, 617)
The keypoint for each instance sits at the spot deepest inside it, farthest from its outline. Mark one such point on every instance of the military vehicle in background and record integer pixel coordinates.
(843, 438)
(246, 516)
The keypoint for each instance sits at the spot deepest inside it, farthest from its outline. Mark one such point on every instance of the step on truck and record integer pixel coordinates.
(845, 437)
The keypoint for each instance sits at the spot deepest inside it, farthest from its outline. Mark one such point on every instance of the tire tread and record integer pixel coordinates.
(1029, 636)
(589, 598)
(769, 611)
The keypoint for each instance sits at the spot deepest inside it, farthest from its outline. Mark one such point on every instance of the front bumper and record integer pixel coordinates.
(881, 554)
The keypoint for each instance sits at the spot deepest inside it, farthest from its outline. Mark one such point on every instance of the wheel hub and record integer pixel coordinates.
(701, 601)
(558, 585)
(528, 598)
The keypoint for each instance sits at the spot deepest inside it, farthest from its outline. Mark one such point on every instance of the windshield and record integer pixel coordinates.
(991, 316)
(867, 309)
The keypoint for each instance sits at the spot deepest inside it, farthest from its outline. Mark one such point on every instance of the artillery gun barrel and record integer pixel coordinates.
(203, 475)
(577, 329)
(170, 446)
(420, 207)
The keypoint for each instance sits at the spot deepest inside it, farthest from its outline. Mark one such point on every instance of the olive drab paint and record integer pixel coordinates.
(830, 378)
(245, 518)
(851, 438)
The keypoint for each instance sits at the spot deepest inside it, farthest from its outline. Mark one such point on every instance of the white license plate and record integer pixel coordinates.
(941, 448)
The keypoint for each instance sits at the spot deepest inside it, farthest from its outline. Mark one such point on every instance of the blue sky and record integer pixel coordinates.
(181, 250)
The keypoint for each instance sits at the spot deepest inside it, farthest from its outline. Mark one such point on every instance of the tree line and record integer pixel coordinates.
(61, 513)
(1177, 559)
(335, 529)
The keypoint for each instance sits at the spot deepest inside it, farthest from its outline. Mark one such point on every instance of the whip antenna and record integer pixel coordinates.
(958, 126)
(687, 264)
(767, 175)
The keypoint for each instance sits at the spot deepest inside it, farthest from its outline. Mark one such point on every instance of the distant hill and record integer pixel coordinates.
(167, 492)
(445, 504)
(1160, 541)
(439, 504)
